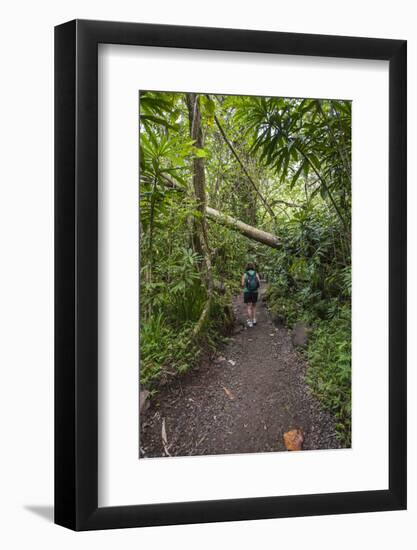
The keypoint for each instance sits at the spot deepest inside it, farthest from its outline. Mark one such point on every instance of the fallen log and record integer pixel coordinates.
(247, 230)
(232, 223)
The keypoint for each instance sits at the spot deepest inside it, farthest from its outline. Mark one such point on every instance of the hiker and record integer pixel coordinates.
(250, 284)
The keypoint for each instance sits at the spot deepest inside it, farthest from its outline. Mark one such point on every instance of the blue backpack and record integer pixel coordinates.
(252, 283)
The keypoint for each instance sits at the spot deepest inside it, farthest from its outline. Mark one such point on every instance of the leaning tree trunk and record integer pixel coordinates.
(199, 185)
(249, 231)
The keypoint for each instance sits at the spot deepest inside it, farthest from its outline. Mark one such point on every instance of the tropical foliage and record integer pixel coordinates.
(279, 165)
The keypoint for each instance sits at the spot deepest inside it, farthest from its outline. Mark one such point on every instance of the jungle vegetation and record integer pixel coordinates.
(227, 179)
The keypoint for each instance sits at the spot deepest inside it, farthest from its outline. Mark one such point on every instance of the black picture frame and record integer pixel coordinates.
(76, 272)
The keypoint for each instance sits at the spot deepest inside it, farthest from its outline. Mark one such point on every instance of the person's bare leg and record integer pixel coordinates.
(249, 313)
(254, 313)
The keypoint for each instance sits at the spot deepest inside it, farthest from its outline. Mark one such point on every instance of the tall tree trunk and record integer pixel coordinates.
(199, 185)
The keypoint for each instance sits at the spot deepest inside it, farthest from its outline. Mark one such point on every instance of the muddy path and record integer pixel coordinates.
(240, 401)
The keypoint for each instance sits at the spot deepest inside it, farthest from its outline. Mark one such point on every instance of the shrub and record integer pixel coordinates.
(329, 371)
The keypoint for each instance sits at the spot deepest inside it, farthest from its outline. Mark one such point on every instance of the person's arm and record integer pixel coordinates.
(259, 280)
(243, 281)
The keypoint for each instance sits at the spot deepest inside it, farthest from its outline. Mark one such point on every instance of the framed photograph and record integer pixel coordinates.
(230, 275)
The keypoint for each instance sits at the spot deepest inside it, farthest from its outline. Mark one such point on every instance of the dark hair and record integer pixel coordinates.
(249, 266)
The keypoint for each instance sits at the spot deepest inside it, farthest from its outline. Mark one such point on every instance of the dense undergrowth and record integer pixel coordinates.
(311, 284)
(329, 371)
(328, 351)
(170, 310)
(168, 348)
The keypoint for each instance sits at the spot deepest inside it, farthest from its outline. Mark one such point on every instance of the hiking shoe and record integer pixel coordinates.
(249, 323)
(254, 322)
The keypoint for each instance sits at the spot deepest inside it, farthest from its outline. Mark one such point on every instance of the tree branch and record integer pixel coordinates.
(233, 150)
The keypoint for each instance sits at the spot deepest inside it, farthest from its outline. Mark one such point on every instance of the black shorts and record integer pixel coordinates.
(250, 297)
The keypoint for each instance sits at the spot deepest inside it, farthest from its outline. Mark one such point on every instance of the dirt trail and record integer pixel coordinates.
(241, 404)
